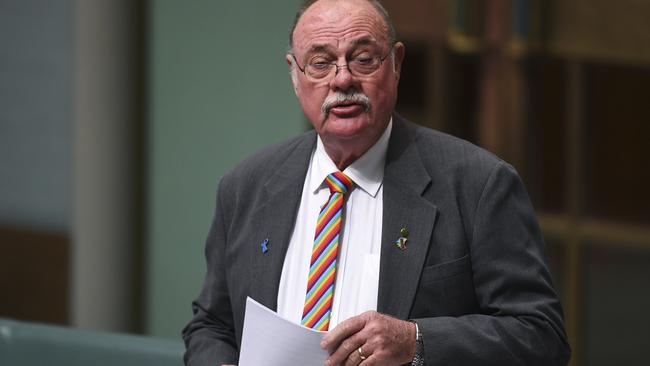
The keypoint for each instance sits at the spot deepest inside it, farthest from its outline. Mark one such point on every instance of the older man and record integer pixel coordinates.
(407, 245)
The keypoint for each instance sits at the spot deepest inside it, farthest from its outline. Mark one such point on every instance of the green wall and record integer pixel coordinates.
(219, 90)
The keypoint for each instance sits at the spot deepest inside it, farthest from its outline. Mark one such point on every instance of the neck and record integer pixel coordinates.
(347, 151)
(342, 157)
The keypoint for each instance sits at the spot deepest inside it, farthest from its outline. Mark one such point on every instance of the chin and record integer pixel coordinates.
(346, 127)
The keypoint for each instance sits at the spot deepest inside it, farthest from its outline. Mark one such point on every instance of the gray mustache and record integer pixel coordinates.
(340, 97)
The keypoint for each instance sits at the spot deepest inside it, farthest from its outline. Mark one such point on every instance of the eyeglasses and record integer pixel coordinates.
(319, 69)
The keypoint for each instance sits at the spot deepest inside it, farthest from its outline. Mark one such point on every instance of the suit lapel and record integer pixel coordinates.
(405, 179)
(274, 220)
(404, 207)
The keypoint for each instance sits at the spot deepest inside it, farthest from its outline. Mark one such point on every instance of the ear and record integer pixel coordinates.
(399, 49)
(292, 72)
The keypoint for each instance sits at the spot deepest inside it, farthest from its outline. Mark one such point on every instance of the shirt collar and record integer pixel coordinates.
(367, 172)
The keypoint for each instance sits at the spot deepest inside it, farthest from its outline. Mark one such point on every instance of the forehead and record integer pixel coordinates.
(335, 23)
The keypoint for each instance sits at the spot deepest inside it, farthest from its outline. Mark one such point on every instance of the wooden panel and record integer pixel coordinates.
(34, 269)
(601, 29)
(413, 85)
(418, 20)
(614, 235)
(546, 135)
(617, 143)
(462, 79)
(616, 319)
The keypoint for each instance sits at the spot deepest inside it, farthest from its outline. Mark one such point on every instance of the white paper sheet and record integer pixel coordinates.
(270, 340)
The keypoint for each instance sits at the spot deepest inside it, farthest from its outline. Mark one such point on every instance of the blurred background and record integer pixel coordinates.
(118, 118)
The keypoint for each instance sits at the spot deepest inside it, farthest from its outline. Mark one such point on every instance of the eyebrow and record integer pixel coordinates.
(320, 48)
(364, 41)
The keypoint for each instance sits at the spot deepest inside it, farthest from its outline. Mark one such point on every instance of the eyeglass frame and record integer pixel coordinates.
(347, 65)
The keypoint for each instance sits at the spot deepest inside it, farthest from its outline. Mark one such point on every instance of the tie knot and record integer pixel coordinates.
(338, 182)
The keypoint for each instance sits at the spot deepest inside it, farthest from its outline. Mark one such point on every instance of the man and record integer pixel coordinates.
(432, 251)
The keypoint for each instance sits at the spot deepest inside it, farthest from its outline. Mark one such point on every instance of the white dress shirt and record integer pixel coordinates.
(357, 272)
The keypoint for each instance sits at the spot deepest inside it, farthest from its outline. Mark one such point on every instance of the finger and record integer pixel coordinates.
(355, 357)
(371, 360)
(347, 351)
(342, 331)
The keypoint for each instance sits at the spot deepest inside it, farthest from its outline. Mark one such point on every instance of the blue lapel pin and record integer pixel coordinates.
(265, 245)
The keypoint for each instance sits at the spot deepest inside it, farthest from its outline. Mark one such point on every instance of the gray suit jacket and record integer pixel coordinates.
(474, 275)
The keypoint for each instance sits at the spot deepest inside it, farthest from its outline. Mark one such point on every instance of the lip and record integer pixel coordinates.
(347, 110)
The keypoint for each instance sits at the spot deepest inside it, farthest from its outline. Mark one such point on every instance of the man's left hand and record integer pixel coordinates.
(380, 339)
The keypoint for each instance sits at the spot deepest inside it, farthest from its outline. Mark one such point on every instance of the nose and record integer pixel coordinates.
(343, 79)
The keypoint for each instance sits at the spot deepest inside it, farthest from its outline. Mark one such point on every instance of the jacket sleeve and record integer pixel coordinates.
(520, 318)
(210, 337)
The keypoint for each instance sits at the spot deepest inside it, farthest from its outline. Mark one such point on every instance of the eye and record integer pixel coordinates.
(319, 63)
(363, 58)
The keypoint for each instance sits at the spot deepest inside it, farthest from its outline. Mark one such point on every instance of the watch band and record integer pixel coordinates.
(418, 359)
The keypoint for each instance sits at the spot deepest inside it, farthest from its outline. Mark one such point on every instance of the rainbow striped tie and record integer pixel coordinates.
(322, 270)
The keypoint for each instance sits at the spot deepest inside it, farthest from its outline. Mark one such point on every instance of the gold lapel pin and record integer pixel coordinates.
(403, 239)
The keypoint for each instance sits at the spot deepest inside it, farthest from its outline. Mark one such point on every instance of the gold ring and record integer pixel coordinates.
(361, 355)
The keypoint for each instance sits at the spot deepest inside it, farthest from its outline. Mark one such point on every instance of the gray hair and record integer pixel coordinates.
(340, 97)
(392, 36)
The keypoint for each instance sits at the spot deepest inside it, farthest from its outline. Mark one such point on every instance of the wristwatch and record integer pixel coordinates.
(418, 359)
